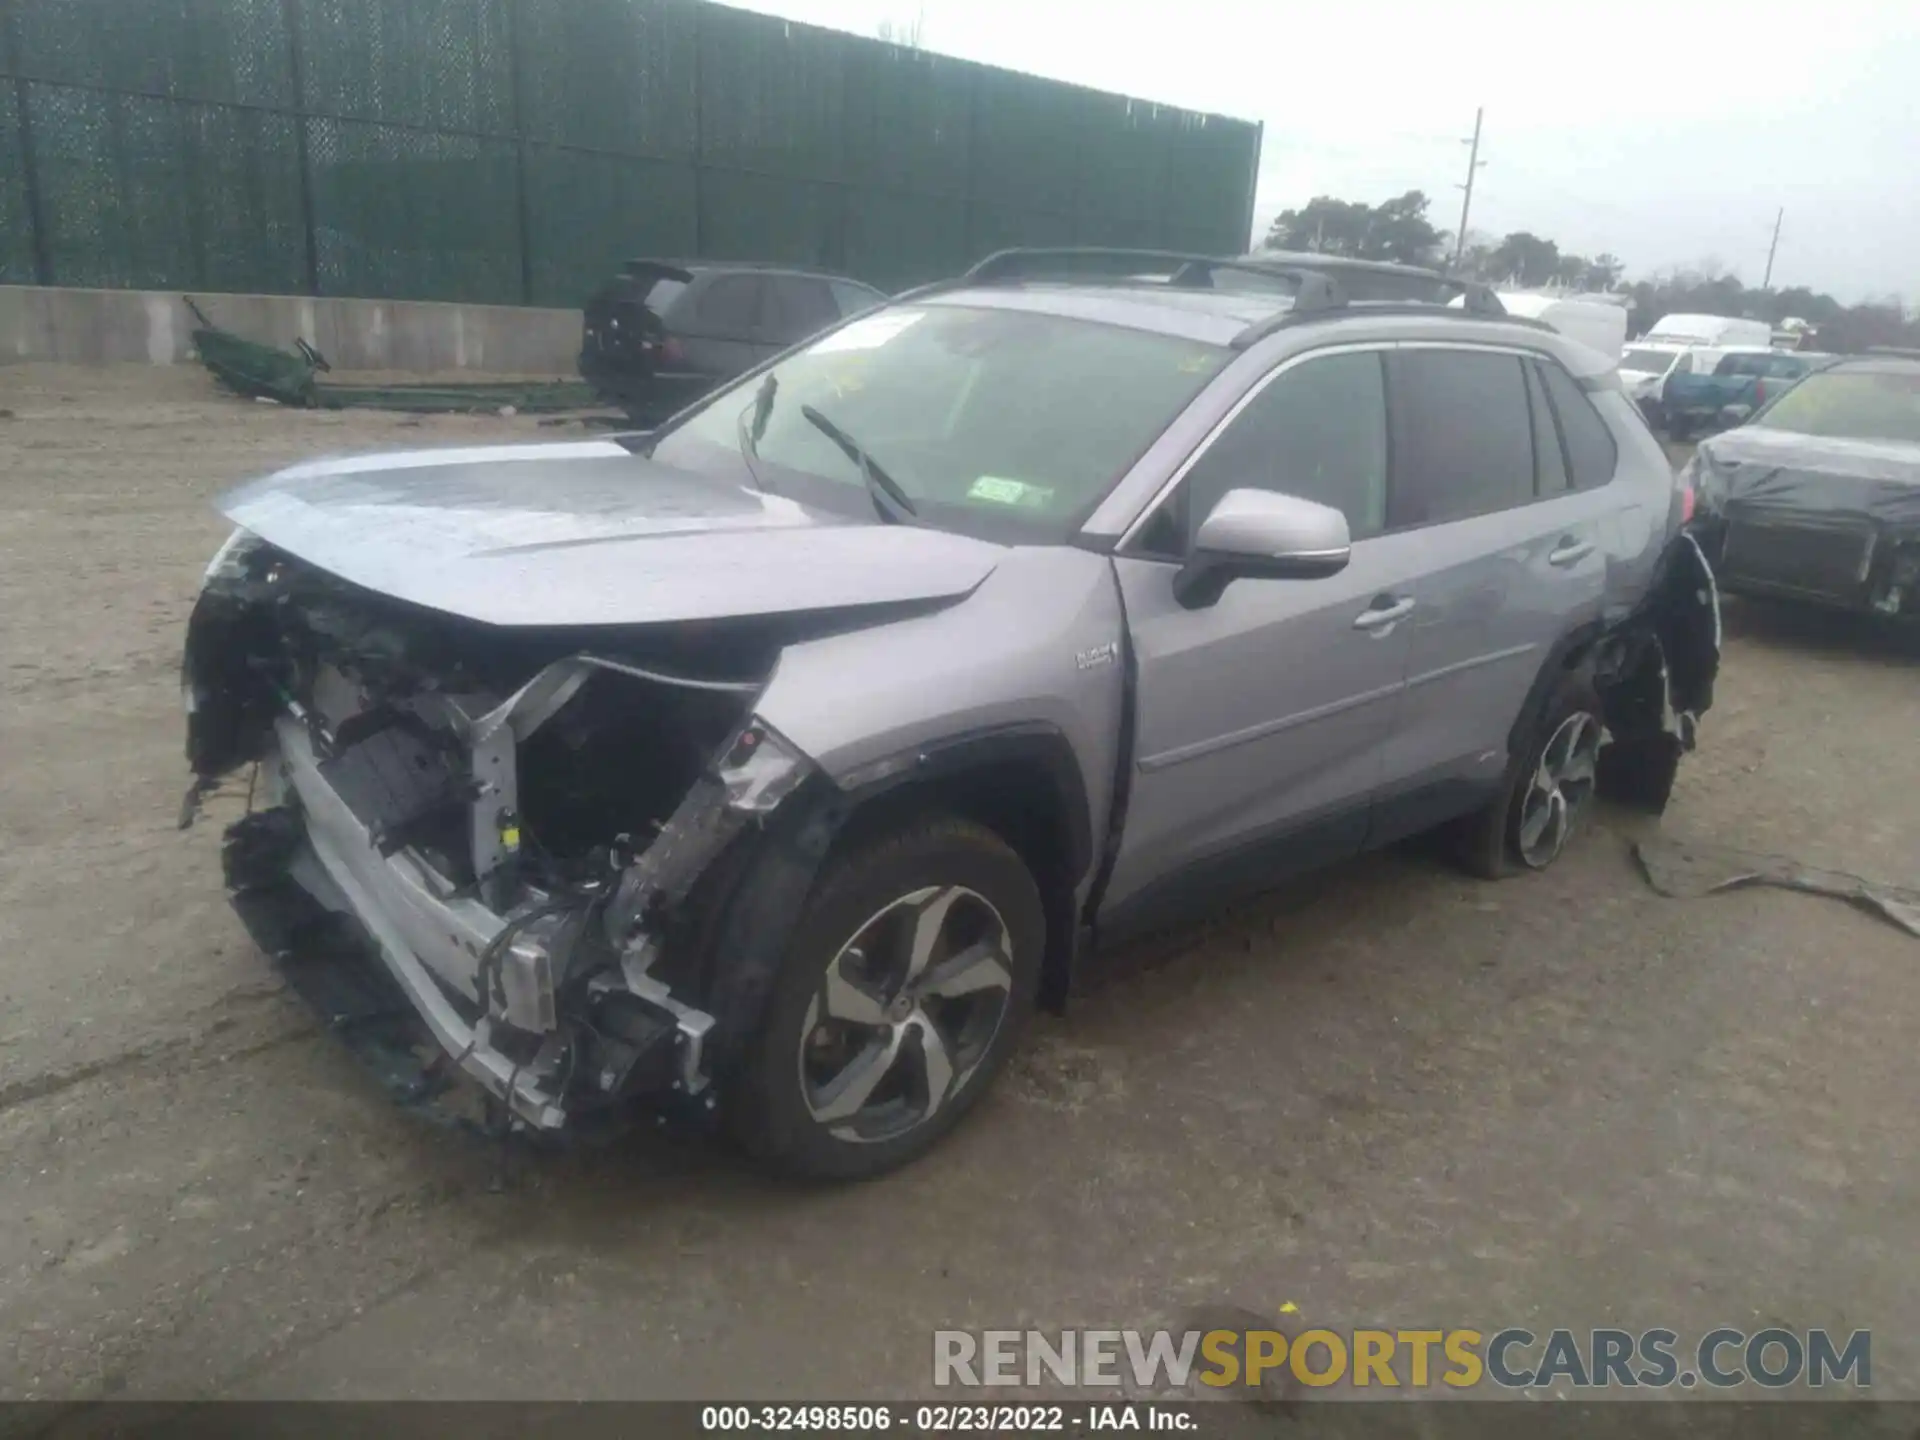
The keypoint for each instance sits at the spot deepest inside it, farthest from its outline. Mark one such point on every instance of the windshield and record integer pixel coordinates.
(999, 423)
(1647, 362)
(1850, 405)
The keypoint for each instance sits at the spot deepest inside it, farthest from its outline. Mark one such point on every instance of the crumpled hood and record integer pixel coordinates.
(586, 533)
(1756, 469)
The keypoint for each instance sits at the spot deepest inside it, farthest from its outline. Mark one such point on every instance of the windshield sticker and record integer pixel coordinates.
(870, 333)
(1002, 491)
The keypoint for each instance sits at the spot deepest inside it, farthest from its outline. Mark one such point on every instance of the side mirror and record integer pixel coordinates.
(1260, 533)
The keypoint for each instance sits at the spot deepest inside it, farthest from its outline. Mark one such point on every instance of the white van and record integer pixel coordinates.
(1597, 324)
(1719, 332)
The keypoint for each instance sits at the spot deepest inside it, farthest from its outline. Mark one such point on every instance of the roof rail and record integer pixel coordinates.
(1316, 291)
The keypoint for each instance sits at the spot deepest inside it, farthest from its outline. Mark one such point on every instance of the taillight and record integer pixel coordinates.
(672, 352)
(1759, 393)
(1686, 502)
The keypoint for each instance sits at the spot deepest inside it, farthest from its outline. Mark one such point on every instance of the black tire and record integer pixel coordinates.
(1487, 842)
(768, 1101)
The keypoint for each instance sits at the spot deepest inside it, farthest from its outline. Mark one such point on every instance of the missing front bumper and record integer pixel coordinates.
(314, 878)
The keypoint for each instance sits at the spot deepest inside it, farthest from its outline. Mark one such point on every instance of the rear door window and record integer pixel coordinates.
(1592, 452)
(729, 308)
(1462, 435)
(802, 305)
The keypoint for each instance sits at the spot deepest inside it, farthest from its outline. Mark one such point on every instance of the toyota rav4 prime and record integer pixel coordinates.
(773, 765)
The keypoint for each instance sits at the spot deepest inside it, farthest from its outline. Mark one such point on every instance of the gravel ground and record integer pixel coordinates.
(1397, 1096)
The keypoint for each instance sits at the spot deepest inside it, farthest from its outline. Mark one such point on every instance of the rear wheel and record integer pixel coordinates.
(908, 980)
(1548, 790)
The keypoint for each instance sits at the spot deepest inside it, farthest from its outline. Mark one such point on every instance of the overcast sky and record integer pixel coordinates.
(1665, 132)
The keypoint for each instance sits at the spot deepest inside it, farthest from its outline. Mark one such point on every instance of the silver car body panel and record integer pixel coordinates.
(1039, 643)
(574, 535)
(1286, 702)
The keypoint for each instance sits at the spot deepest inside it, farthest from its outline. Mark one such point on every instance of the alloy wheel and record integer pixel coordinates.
(1562, 784)
(905, 1012)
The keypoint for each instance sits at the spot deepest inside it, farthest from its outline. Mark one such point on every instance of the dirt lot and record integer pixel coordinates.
(1405, 1098)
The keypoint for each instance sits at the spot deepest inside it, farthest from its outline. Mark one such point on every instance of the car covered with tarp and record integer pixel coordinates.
(1817, 496)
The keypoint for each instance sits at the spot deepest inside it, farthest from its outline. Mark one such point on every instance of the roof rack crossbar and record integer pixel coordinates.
(1314, 291)
(1058, 262)
(1478, 303)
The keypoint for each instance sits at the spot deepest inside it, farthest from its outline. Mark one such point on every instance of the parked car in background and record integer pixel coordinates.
(771, 765)
(661, 334)
(1699, 398)
(1644, 368)
(1817, 496)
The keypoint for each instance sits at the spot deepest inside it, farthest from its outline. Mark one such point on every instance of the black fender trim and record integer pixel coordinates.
(766, 882)
(1568, 652)
(754, 913)
(1027, 742)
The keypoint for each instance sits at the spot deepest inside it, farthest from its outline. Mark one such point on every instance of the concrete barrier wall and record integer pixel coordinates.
(99, 326)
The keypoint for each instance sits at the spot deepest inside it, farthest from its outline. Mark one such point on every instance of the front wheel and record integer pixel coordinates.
(907, 981)
(1548, 791)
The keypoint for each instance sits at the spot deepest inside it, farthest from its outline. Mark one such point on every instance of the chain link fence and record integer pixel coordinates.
(516, 151)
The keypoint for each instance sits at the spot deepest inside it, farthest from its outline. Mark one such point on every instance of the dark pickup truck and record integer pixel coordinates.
(1742, 382)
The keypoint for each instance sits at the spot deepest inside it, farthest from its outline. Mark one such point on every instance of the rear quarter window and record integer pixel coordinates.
(1592, 454)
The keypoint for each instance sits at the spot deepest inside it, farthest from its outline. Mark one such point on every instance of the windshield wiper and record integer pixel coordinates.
(753, 424)
(888, 498)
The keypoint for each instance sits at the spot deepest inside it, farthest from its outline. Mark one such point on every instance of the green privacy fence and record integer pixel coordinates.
(515, 151)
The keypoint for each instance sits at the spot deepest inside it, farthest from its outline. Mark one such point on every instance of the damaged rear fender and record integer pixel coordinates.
(1656, 676)
(1654, 670)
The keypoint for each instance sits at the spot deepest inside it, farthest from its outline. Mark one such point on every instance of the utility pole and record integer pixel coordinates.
(1766, 281)
(1474, 162)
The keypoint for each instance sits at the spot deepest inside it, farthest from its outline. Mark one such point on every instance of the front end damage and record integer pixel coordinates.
(510, 840)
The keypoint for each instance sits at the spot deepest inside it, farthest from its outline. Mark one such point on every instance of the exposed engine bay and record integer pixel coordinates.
(529, 813)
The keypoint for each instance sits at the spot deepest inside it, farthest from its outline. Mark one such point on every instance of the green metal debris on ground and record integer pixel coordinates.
(262, 372)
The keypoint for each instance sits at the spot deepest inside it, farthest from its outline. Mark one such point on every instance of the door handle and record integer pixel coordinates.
(1569, 551)
(1379, 616)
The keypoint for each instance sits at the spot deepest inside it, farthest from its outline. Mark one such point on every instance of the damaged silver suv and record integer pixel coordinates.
(772, 766)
